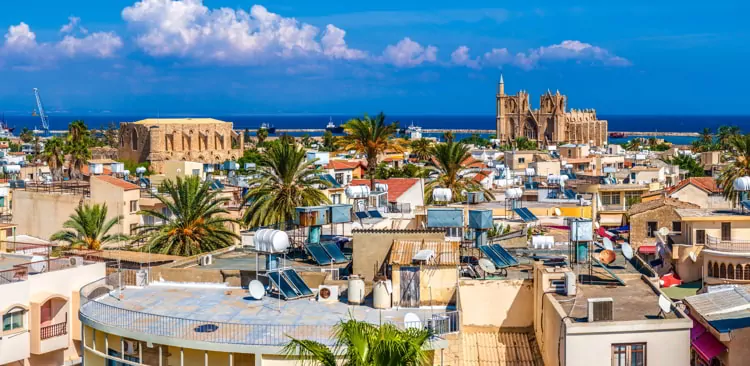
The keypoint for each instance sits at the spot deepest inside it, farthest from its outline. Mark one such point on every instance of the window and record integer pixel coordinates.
(116, 354)
(700, 236)
(726, 231)
(133, 228)
(454, 232)
(521, 160)
(632, 198)
(133, 205)
(196, 172)
(570, 153)
(13, 319)
(651, 229)
(336, 198)
(629, 354)
(340, 178)
(677, 226)
(610, 198)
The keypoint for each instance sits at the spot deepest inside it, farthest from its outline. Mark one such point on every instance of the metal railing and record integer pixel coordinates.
(59, 187)
(21, 272)
(54, 330)
(267, 334)
(734, 245)
(404, 208)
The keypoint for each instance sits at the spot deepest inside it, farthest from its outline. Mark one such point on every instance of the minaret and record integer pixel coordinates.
(501, 86)
(500, 111)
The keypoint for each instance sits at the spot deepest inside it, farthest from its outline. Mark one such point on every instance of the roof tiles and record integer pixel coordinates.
(396, 186)
(446, 252)
(499, 349)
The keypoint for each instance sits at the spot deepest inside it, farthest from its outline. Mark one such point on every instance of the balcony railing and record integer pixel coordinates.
(735, 245)
(54, 330)
(266, 334)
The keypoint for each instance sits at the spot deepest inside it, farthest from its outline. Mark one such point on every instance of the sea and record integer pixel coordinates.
(639, 123)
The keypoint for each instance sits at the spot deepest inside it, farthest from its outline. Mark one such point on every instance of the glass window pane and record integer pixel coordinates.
(17, 320)
(6, 321)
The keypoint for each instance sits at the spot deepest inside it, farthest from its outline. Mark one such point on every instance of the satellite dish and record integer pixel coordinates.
(627, 250)
(487, 265)
(256, 290)
(607, 243)
(693, 257)
(664, 231)
(665, 304)
(38, 263)
(412, 320)
(557, 211)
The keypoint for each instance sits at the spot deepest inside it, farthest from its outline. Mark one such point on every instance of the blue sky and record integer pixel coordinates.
(417, 57)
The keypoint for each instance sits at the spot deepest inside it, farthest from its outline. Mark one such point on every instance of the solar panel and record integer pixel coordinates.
(493, 256)
(297, 282)
(746, 204)
(507, 257)
(569, 193)
(362, 215)
(333, 251)
(318, 253)
(283, 285)
(618, 279)
(375, 214)
(528, 215)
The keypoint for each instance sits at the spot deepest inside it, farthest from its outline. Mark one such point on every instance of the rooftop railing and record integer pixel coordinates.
(21, 272)
(261, 334)
(733, 245)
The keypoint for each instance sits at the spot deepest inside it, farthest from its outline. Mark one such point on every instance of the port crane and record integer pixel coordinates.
(42, 114)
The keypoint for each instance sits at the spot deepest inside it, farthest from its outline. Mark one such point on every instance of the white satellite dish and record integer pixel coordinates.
(486, 265)
(665, 304)
(627, 250)
(693, 257)
(412, 320)
(256, 289)
(664, 231)
(607, 243)
(557, 211)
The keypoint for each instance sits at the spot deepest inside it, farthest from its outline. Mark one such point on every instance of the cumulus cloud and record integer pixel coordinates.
(189, 29)
(461, 57)
(21, 48)
(74, 24)
(408, 53)
(564, 51)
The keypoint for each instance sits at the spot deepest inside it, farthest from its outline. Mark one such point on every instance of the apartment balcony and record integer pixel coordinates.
(734, 245)
(14, 347)
(49, 323)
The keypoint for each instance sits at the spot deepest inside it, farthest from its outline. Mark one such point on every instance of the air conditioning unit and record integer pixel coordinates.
(76, 261)
(570, 283)
(334, 272)
(205, 260)
(328, 293)
(601, 309)
(130, 347)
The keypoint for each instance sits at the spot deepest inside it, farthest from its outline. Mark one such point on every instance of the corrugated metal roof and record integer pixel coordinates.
(499, 349)
(446, 252)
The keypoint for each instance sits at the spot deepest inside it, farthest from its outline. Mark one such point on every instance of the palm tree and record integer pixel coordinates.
(54, 156)
(448, 136)
(450, 173)
(523, 143)
(740, 167)
(422, 149)
(286, 180)
(79, 156)
(26, 135)
(194, 221)
(77, 131)
(328, 141)
(371, 137)
(706, 136)
(359, 343)
(726, 133)
(634, 145)
(88, 228)
(688, 163)
(262, 134)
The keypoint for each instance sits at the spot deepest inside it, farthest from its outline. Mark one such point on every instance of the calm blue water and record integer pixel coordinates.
(252, 122)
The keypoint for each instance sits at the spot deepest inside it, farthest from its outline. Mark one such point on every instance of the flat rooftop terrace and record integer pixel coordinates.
(634, 301)
(241, 259)
(216, 313)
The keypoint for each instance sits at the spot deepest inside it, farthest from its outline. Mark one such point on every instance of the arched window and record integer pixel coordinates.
(13, 319)
(710, 269)
(730, 272)
(747, 272)
(133, 139)
(723, 271)
(529, 130)
(716, 269)
(738, 272)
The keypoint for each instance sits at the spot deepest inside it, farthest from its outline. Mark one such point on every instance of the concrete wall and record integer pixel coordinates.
(545, 168)
(118, 201)
(688, 270)
(42, 214)
(663, 216)
(414, 196)
(693, 194)
(667, 347)
(437, 286)
(178, 168)
(496, 303)
(371, 247)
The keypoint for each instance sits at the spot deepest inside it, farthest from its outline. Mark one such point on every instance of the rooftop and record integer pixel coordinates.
(699, 214)
(239, 259)
(724, 309)
(396, 186)
(707, 184)
(445, 252)
(125, 256)
(117, 182)
(500, 348)
(642, 207)
(177, 121)
(342, 164)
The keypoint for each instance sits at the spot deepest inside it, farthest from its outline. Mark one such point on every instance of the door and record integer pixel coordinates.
(410, 287)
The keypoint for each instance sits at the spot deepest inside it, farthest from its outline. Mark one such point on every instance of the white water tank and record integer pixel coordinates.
(382, 187)
(553, 179)
(96, 168)
(741, 184)
(140, 170)
(356, 291)
(357, 191)
(381, 295)
(513, 193)
(271, 241)
(11, 169)
(442, 195)
(530, 172)
(117, 167)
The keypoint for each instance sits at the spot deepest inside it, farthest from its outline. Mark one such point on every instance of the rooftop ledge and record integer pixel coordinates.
(218, 317)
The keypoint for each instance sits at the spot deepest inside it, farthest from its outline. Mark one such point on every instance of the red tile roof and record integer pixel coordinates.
(479, 177)
(342, 164)
(472, 163)
(117, 182)
(396, 186)
(707, 184)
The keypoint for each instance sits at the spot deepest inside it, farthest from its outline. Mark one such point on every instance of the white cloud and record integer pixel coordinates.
(22, 50)
(407, 53)
(189, 29)
(74, 23)
(569, 50)
(461, 57)
(497, 56)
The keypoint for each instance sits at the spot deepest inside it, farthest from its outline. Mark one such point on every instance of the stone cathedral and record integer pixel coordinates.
(551, 124)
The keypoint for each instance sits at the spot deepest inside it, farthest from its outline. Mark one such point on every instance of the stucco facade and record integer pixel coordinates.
(205, 140)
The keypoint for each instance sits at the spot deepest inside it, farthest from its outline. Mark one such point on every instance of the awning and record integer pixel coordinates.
(647, 249)
(704, 343)
(610, 219)
(604, 233)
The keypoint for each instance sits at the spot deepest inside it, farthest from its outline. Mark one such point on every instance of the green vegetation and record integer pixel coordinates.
(370, 137)
(286, 180)
(131, 166)
(26, 135)
(360, 343)
(196, 221)
(422, 149)
(249, 156)
(88, 228)
(448, 158)
(384, 171)
(739, 165)
(688, 163)
(54, 156)
(329, 142)
(476, 140)
(261, 135)
(721, 141)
